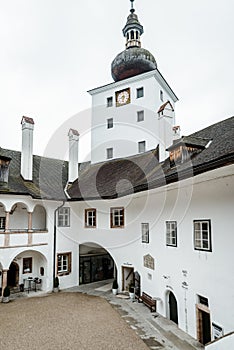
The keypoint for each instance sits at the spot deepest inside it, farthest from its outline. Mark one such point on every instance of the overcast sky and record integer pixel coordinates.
(53, 51)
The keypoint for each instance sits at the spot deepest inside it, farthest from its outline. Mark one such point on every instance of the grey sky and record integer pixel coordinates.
(53, 51)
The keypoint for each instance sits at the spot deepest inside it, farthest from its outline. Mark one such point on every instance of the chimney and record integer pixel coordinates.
(73, 155)
(27, 148)
(176, 132)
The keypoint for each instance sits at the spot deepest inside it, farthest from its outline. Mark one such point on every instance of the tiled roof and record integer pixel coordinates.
(49, 177)
(197, 142)
(120, 177)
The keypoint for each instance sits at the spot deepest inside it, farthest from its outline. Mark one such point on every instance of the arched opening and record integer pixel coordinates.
(96, 264)
(18, 217)
(13, 275)
(39, 218)
(137, 35)
(28, 266)
(173, 310)
(132, 34)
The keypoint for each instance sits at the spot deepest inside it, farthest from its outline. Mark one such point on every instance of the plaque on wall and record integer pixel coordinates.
(149, 261)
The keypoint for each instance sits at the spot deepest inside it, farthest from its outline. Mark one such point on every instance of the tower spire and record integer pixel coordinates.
(132, 8)
(133, 29)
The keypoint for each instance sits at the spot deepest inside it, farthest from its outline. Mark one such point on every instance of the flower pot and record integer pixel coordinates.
(115, 291)
(5, 299)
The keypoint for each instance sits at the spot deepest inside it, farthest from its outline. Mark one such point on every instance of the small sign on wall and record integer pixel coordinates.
(149, 261)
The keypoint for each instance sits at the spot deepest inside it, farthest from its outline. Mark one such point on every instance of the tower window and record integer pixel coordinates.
(145, 232)
(110, 123)
(137, 35)
(132, 34)
(140, 92)
(141, 147)
(161, 95)
(140, 116)
(109, 101)
(127, 36)
(109, 153)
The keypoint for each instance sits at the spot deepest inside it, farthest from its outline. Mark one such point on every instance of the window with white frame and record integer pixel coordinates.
(202, 235)
(141, 147)
(2, 223)
(109, 153)
(171, 233)
(117, 217)
(63, 263)
(110, 123)
(109, 101)
(64, 217)
(140, 92)
(140, 116)
(90, 218)
(145, 232)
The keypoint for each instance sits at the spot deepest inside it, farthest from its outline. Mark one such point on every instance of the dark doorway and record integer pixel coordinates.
(173, 308)
(95, 267)
(204, 325)
(13, 275)
(137, 283)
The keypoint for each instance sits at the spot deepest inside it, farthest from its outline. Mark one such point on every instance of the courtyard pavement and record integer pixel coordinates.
(155, 330)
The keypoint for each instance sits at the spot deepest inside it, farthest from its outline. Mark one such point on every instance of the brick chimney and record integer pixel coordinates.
(73, 155)
(27, 148)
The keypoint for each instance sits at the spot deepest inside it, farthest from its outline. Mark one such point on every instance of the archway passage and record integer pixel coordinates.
(96, 264)
(173, 311)
(13, 275)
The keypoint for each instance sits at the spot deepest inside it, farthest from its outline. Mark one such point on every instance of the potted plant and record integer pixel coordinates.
(115, 287)
(131, 291)
(6, 294)
(56, 284)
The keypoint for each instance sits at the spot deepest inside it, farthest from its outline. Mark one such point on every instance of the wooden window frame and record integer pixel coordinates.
(27, 265)
(93, 218)
(171, 233)
(66, 271)
(144, 233)
(62, 217)
(120, 216)
(202, 232)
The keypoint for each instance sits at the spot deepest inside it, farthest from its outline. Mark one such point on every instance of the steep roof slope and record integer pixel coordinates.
(119, 177)
(49, 177)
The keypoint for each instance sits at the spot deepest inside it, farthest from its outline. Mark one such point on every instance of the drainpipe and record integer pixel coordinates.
(55, 238)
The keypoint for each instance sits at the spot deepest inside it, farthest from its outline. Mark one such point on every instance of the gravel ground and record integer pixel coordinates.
(65, 321)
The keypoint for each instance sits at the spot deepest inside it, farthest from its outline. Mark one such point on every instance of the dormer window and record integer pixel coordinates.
(185, 148)
(4, 169)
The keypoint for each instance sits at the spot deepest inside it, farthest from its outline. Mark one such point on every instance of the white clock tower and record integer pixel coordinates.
(135, 113)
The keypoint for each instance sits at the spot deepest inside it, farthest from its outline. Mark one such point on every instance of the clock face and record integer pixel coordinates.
(123, 97)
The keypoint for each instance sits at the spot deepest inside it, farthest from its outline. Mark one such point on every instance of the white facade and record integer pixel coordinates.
(127, 131)
(182, 270)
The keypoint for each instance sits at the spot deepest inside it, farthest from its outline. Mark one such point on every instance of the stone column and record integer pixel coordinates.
(7, 232)
(4, 279)
(30, 230)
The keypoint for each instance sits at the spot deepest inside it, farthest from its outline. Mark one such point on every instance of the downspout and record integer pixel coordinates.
(55, 238)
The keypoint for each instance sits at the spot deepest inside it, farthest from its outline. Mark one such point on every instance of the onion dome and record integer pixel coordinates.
(134, 59)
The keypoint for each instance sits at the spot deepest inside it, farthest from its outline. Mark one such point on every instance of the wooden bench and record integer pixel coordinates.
(148, 301)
